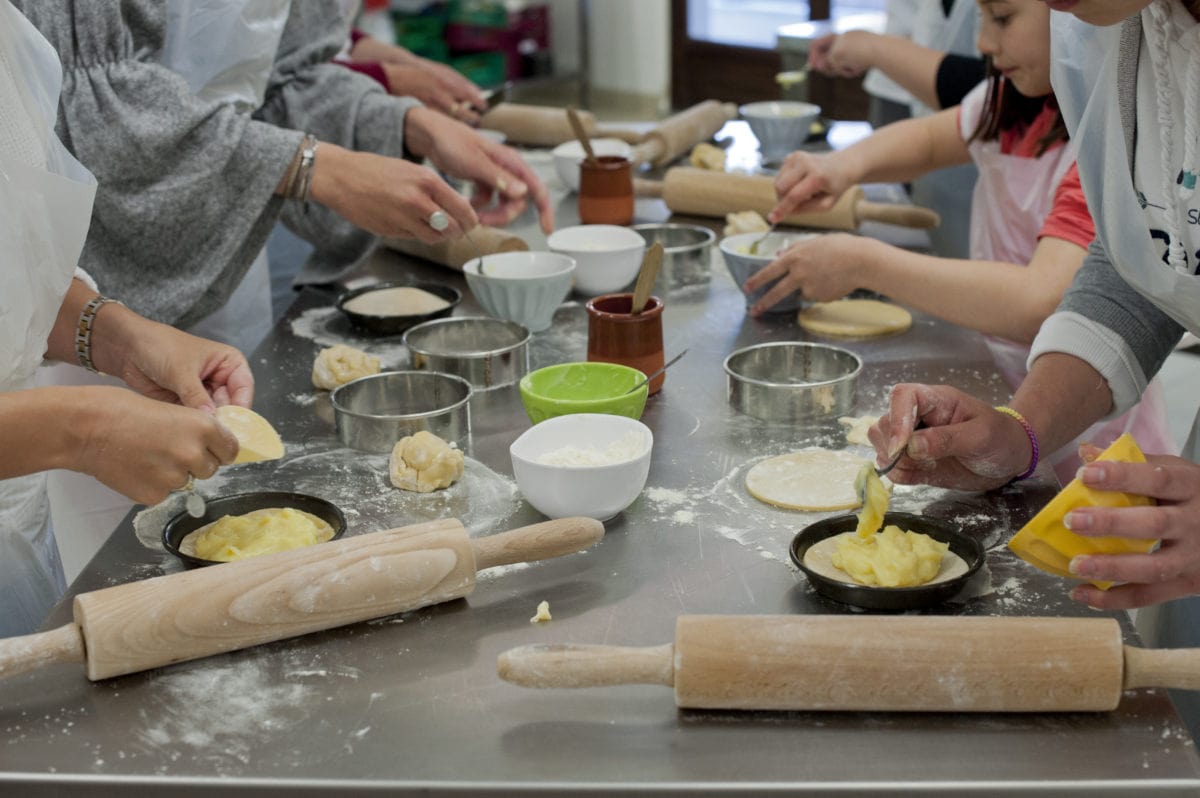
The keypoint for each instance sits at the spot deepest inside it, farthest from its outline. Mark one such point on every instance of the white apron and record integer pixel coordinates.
(1012, 198)
(225, 50)
(947, 191)
(45, 207)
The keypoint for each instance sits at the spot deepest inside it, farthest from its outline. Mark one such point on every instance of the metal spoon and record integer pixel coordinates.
(762, 238)
(657, 371)
(478, 251)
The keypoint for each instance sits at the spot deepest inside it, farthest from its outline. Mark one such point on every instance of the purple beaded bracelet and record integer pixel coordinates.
(1033, 441)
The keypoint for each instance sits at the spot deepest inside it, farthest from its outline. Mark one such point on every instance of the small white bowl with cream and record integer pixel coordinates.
(589, 464)
(607, 256)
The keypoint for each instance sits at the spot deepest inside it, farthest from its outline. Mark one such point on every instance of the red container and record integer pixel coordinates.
(617, 336)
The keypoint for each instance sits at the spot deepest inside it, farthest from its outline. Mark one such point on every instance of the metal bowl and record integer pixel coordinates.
(394, 325)
(687, 254)
(183, 524)
(486, 352)
(372, 413)
(792, 381)
(873, 597)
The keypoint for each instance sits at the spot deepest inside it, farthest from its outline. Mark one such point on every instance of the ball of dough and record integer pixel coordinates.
(424, 463)
(340, 364)
(707, 156)
(745, 222)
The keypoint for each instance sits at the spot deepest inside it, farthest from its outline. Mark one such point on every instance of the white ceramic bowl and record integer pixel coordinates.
(525, 287)
(597, 491)
(607, 256)
(780, 127)
(569, 154)
(741, 264)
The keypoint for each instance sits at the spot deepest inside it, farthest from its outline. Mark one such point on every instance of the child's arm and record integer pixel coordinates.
(993, 297)
(895, 153)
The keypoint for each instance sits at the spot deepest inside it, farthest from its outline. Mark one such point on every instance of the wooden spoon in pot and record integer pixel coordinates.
(581, 134)
(646, 276)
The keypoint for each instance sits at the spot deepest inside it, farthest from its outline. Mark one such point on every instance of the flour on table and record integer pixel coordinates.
(327, 327)
(856, 428)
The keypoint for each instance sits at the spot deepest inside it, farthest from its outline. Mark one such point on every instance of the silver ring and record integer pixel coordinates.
(439, 221)
(189, 485)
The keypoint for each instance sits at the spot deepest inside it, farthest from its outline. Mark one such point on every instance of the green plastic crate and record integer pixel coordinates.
(485, 69)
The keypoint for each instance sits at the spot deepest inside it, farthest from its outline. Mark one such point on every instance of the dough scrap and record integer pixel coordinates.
(542, 614)
(819, 560)
(265, 531)
(340, 364)
(257, 439)
(707, 156)
(856, 428)
(855, 318)
(424, 463)
(745, 222)
(811, 479)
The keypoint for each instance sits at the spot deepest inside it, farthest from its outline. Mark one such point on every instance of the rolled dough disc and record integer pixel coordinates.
(855, 318)
(819, 560)
(257, 439)
(812, 479)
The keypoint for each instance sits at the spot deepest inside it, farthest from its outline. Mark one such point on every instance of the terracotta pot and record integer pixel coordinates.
(606, 190)
(617, 336)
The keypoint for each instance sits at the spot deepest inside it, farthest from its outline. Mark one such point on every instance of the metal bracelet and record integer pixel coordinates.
(308, 158)
(83, 331)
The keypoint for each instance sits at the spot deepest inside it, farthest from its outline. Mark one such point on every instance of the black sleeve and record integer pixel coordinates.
(957, 75)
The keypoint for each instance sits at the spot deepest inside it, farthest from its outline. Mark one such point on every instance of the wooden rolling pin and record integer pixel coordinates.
(676, 135)
(456, 252)
(545, 126)
(702, 192)
(236, 605)
(894, 663)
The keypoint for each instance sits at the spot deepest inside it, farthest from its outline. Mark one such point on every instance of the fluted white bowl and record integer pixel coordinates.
(780, 127)
(525, 287)
(741, 264)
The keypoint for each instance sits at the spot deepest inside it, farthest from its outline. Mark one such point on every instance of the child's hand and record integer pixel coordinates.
(808, 182)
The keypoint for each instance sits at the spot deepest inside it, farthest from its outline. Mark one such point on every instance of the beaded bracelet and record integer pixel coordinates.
(1033, 441)
(83, 331)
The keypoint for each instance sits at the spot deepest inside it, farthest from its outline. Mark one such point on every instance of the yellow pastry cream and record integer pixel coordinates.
(890, 557)
(266, 531)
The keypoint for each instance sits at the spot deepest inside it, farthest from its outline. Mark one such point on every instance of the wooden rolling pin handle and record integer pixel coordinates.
(890, 213)
(647, 151)
(567, 665)
(537, 542)
(1173, 668)
(61, 645)
(647, 188)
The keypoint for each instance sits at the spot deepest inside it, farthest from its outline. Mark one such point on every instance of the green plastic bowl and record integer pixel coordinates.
(583, 388)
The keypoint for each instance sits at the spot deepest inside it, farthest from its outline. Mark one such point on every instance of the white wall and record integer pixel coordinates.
(630, 43)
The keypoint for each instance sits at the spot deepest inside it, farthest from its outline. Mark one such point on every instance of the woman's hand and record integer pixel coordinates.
(437, 86)
(504, 183)
(810, 182)
(142, 448)
(163, 363)
(821, 269)
(1171, 571)
(389, 196)
(966, 444)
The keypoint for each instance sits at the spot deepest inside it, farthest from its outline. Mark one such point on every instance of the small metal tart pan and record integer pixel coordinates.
(889, 598)
(183, 524)
(395, 324)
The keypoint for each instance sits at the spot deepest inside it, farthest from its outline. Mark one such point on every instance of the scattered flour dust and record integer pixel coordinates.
(327, 326)
(221, 713)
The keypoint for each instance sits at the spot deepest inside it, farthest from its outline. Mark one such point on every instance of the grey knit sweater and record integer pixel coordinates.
(186, 187)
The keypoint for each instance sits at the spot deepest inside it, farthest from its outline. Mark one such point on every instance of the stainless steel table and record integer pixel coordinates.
(411, 704)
